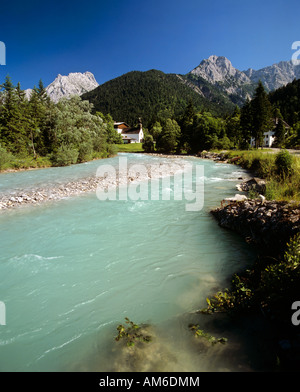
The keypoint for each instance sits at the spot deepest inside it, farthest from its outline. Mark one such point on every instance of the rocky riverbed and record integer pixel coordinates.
(267, 224)
(90, 184)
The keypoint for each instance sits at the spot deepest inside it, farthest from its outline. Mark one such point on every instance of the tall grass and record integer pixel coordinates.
(9, 161)
(130, 147)
(280, 185)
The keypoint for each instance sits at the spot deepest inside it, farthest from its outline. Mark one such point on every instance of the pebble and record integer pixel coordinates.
(37, 196)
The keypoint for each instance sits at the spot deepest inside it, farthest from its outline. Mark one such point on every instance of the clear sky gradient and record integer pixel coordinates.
(110, 38)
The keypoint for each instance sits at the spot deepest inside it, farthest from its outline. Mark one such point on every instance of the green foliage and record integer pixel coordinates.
(280, 133)
(155, 130)
(246, 124)
(169, 138)
(292, 140)
(207, 130)
(6, 158)
(130, 147)
(269, 287)
(287, 100)
(238, 297)
(131, 334)
(223, 143)
(35, 129)
(292, 254)
(261, 114)
(112, 136)
(148, 145)
(65, 155)
(110, 151)
(200, 333)
(279, 185)
(279, 285)
(233, 129)
(152, 95)
(283, 163)
(85, 151)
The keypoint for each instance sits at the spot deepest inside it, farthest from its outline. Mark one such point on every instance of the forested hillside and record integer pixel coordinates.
(38, 132)
(151, 95)
(287, 99)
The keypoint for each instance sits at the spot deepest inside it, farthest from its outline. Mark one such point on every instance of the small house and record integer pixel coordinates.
(130, 134)
(269, 137)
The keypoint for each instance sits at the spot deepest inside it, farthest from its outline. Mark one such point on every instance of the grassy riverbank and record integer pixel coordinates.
(283, 177)
(9, 162)
(12, 163)
(270, 286)
(131, 147)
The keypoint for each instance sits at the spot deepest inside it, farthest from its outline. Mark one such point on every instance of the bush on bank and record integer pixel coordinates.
(281, 170)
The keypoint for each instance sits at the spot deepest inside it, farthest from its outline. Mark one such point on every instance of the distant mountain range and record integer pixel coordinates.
(214, 85)
(75, 83)
(238, 85)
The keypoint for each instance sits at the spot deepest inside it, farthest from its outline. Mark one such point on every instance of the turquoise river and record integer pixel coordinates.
(72, 270)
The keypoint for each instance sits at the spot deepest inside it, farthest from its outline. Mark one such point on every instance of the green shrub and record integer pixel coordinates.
(271, 192)
(131, 334)
(65, 156)
(222, 144)
(283, 163)
(85, 151)
(280, 281)
(200, 333)
(148, 144)
(111, 150)
(5, 158)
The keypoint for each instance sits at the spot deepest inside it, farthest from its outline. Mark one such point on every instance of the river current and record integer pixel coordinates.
(73, 269)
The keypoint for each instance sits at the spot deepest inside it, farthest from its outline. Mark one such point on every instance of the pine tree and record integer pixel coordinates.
(187, 125)
(24, 120)
(261, 114)
(42, 93)
(13, 134)
(155, 130)
(169, 138)
(280, 131)
(233, 127)
(246, 124)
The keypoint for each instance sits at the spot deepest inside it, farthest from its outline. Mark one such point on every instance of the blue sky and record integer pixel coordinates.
(110, 38)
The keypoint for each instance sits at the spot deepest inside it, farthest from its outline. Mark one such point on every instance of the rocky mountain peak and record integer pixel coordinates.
(76, 83)
(217, 69)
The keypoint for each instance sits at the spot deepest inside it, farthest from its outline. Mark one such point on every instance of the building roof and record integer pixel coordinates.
(121, 123)
(275, 122)
(131, 130)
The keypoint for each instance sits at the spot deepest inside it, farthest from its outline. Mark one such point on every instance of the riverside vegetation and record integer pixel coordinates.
(40, 133)
(271, 285)
(37, 133)
(281, 172)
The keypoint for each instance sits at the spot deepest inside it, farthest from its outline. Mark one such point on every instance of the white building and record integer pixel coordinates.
(269, 137)
(130, 135)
